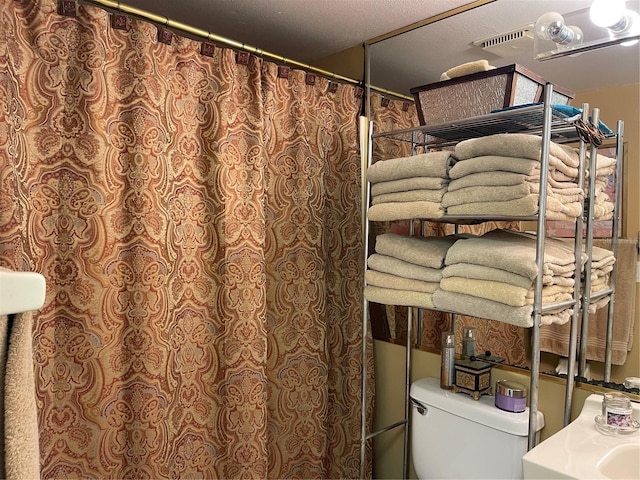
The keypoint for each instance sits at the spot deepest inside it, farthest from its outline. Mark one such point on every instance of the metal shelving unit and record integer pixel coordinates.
(551, 124)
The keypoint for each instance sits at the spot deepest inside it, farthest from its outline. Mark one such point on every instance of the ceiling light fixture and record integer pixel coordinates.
(604, 24)
(551, 26)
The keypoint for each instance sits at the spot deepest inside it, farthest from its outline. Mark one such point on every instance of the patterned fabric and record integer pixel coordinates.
(198, 224)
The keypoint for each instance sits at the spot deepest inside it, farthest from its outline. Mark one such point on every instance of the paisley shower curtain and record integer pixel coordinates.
(198, 224)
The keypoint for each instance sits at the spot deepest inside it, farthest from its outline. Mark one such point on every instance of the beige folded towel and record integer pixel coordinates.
(552, 294)
(394, 282)
(466, 69)
(395, 266)
(406, 184)
(483, 308)
(426, 251)
(487, 179)
(555, 339)
(525, 206)
(388, 212)
(20, 430)
(407, 298)
(600, 257)
(514, 252)
(605, 166)
(501, 178)
(431, 164)
(483, 272)
(493, 163)
(409, 196)
(518, 145)
(569, 193)
(505, 293)
(494, 193)
(599, 282)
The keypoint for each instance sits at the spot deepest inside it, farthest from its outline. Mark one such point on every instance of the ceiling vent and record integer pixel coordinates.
(510, 43)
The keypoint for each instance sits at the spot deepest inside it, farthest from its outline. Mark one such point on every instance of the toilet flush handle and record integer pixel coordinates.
(420, 407)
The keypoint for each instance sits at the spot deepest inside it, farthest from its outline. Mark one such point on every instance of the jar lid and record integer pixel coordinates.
(632, 382)
(511, 389)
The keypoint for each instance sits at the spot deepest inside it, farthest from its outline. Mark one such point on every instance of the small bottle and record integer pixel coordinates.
(617, 410)
(469, 342)
(447, 358)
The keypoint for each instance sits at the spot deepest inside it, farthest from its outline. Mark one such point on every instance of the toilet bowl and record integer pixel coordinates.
(455, 436)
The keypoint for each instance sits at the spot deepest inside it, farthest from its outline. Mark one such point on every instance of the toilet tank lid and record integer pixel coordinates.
(427, 391)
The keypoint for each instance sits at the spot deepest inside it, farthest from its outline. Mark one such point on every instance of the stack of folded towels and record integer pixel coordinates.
(493, 277)
(602, 261)
(406, 270)
(500, 175)
(409, 187)
(603, 204)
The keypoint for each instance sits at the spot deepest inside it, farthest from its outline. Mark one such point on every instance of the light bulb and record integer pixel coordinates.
(578, 36)
(606, 13)
(547, 24)
(634, 28)
(575, 38)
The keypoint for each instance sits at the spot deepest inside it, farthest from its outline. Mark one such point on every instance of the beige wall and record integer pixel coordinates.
(623, 103)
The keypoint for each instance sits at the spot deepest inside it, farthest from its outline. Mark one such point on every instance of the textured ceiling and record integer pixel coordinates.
(308, 30)
(303, 30)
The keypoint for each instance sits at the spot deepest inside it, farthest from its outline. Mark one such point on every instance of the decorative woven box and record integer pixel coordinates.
(472, 377)
(480, 93)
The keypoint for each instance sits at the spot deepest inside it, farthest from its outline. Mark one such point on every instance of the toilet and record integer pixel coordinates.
(455, 436)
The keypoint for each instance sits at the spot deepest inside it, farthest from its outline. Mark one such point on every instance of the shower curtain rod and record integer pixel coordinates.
(119, 7)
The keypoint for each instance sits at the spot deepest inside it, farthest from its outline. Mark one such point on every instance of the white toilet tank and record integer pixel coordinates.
(455, 436)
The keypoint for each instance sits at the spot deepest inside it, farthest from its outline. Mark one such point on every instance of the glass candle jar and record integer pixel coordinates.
(617, 410)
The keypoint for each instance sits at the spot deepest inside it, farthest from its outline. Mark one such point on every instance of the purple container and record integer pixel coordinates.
(511, 396)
